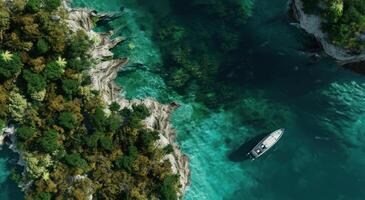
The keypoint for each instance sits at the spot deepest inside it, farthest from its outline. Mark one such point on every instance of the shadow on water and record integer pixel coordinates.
(240, 154)
(276, 19)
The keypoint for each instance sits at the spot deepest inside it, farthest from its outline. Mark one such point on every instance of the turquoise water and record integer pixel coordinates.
(277, 84)
(8, 189)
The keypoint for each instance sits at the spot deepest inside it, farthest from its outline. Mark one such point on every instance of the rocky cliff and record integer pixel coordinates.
(312, 25)
(103, 76)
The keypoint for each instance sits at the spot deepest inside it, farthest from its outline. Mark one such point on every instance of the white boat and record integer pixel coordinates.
(266, 143)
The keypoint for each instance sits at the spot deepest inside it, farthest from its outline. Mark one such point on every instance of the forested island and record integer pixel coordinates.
(343, 21)
(338, 26)
(72, 142)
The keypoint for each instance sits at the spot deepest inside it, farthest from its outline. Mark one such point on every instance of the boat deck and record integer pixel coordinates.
(272, 139)
(266, 143)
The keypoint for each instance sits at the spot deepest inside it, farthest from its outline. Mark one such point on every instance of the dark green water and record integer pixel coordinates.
(271, 82)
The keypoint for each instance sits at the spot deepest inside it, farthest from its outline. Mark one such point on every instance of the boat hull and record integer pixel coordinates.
(267, 143)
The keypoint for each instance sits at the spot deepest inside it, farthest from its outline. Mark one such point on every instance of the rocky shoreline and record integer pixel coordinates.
(312, 25)
(103, 76)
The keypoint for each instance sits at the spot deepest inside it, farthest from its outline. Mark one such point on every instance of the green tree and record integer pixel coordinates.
(114, 122)
(9, 65)
(53, 71)
(335, 10)
(35, 82)
(18, 5)
(133, 118)
(24, 133)
(49, 141)
(42, 46)
(140, 111)
(33, 5)
(78, 45)
(67, 120)
(124, 162)
(79, 64)
(92, 140)
(148, 138)
(17, 106)
(75, 160)
(106, 143)
(133, 151)
(168, 149)
(61, 62)
(114, 106)
(99, 119)
(51, 5)
(37, 164)
(168, 188)
(125, 112)
(70, 87)
(43, 196)
(4, 20)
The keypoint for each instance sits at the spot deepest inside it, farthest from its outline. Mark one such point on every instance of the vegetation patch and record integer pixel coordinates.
(72, 147)
(343, 21)
(197, 50)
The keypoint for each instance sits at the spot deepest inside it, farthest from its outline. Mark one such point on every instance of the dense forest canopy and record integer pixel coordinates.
(343, 20)
(73, 144)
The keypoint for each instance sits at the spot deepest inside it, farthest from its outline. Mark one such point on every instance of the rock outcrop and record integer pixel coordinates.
(312, 25)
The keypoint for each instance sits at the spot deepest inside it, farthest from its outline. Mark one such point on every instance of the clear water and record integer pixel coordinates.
(321, 105)
(8, 189)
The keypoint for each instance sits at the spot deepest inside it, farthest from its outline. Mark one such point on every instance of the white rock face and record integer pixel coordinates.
(312, 25)
(103, 76)
(8, 131)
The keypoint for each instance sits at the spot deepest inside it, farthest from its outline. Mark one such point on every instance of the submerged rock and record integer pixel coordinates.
(107, 17)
